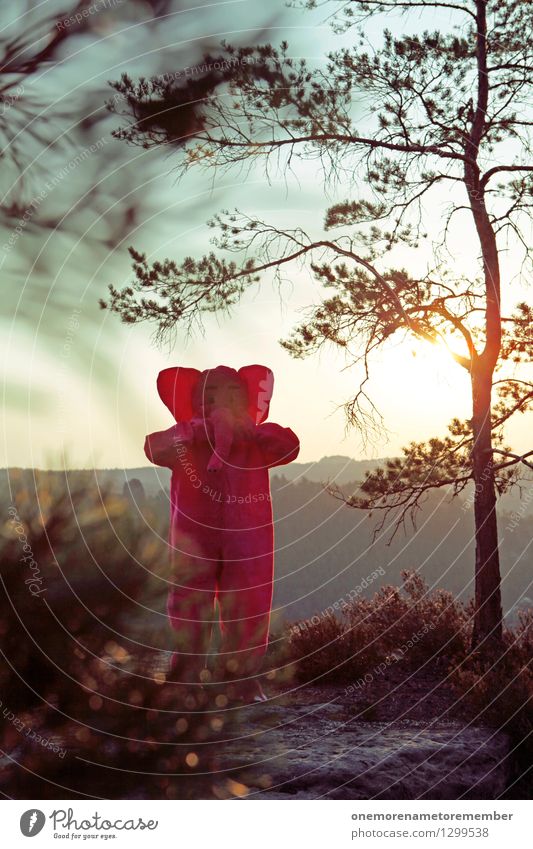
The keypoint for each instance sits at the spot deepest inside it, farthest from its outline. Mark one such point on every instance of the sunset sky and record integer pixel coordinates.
(79, 387)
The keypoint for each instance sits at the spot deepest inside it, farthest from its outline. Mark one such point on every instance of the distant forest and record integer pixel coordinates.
(325, 549)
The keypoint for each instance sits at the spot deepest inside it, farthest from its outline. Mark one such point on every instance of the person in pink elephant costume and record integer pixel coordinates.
(221, 532)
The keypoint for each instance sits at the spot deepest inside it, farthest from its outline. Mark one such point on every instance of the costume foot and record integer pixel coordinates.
(260, 695)
(246, 692)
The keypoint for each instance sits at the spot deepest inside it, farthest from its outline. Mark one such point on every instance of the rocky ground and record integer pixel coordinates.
(400, 737)
(314, 746)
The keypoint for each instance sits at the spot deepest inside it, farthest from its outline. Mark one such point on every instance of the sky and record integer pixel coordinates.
(80, 387)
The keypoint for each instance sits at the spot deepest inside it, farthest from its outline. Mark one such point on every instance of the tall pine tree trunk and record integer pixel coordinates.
(487, 631)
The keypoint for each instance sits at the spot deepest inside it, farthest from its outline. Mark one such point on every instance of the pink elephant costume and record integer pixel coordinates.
(221, 532)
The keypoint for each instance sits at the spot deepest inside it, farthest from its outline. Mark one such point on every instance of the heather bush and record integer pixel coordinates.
(411, 622)
(499, 692)
(312, 650)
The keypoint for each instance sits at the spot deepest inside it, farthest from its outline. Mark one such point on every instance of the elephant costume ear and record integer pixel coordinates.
(260, 384)
(175, 387)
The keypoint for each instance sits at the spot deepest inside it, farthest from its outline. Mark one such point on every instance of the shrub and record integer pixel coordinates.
(499, 692)
(410, 620)
(81, 656)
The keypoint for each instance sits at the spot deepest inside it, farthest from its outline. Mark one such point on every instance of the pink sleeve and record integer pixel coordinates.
(162, 446)
(278, 445)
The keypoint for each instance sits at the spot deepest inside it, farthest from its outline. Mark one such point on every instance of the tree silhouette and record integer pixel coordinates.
(447, 110)
(41, 132)
(133, 490)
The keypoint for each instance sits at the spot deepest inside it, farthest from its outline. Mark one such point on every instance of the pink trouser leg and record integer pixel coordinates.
(244, 594)
(190, 608)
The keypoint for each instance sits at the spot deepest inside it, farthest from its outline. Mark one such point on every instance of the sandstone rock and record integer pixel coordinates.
(317, 750)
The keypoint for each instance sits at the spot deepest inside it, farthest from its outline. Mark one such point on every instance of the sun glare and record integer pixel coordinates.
(438, 371)
(439, 354)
